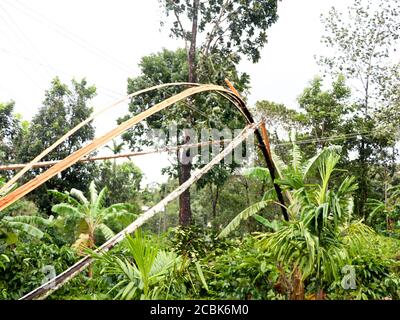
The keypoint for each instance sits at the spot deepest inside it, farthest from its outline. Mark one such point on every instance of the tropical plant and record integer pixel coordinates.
(311, 243)
(30, 263)
(141, 271)
(376, 271)
(12, 224)
(385, 215)
(242, 271)
(88, 216)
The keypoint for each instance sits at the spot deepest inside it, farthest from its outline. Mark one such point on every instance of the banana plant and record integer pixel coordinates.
(88, 214)
(12, 226)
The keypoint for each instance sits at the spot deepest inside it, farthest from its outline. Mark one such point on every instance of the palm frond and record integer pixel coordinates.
(314, 161)
(63, 197)
(259, 173)
(244, 215)
(296, 153)
(100, 200)
(32, 220)
(279, 165)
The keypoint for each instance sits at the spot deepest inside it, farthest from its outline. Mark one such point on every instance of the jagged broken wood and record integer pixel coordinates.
(8, 185)
(99, 142)
(46, 289)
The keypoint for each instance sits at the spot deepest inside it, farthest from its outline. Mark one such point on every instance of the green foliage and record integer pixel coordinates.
(242, 272)
(63, 108)
(142, 272)
(322, 117)
(228, 27)
(244, 215)
(11, 132)
(194, 242)
(377, 271)
(124, 177)
(25, 271)
(385, 215)
(14, 224)
(88, 216)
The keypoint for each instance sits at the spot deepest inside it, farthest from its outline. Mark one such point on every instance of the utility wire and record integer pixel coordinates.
(25, 38)
(332, 138)
(114, 93)
(11, 40)
(83, 43)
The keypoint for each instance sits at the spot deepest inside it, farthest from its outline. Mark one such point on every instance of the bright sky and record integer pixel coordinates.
(103, 40)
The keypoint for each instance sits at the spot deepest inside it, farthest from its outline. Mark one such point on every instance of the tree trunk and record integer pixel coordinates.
(91, 245)
(297, 292)
(185, 211)
(214, 200)
(363, 184)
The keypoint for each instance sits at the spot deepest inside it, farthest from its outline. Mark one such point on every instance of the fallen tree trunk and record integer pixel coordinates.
(8, 185)
(46, 289)
(99, 142)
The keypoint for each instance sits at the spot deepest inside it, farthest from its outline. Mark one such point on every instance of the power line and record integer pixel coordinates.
(27, 40)
(114, 93)
(17, 48)
(83, 43)
(332, 138)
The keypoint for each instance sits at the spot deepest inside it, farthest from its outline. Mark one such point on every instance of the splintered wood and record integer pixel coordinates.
(95, 144)
(55, 283)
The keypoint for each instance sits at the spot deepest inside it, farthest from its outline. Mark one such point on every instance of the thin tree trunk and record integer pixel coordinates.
(363, 185)
(214, 200)
(297, 292)
(185, 211)
(91, 246)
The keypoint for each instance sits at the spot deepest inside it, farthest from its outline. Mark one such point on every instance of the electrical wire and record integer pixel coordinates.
(83, 43)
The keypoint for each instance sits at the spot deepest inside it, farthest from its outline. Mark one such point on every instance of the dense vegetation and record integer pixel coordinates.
(336, 158)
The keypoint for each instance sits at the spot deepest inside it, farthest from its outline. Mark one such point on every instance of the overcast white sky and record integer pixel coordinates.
(103, 40)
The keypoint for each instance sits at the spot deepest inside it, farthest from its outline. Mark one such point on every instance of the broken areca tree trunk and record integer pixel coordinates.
(55, 283)
(99, 142)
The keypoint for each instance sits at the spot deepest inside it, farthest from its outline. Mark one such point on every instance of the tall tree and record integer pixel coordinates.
(224, 27)
(364, 42)
(123, 179)
(322, 118)
(63, 108)
(206, 112)
(11, 132)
